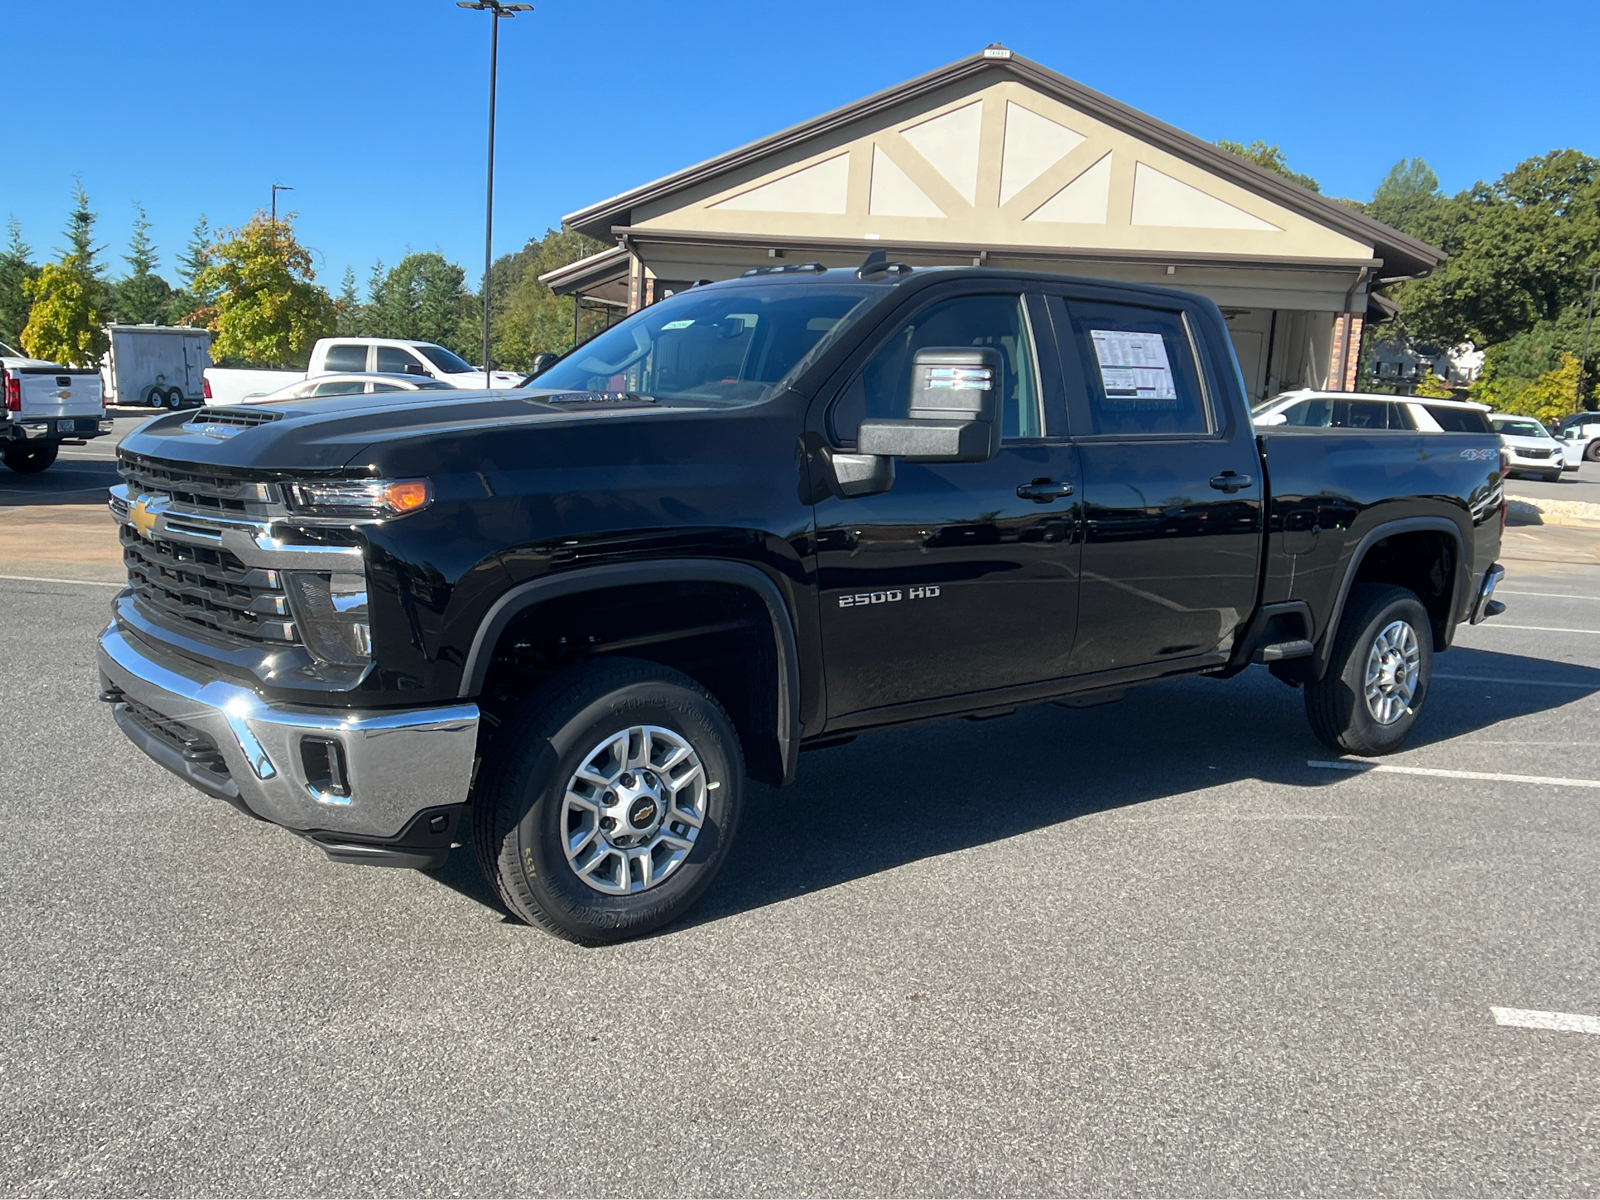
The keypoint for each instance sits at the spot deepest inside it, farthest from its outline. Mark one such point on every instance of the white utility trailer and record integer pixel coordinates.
(162, 366)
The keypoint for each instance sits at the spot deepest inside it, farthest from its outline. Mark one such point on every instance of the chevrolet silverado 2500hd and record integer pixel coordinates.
(567, 622)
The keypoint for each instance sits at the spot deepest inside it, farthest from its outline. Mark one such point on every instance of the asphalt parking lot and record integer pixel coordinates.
(1144, 948)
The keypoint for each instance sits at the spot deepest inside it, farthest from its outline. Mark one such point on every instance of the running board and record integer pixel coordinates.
(1278, 651)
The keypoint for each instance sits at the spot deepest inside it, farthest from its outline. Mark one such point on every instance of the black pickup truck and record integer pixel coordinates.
(765, 515)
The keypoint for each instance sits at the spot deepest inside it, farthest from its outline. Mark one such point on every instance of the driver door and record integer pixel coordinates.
(950, 583)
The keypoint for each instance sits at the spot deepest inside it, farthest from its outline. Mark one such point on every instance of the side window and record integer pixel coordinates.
(1139, 372)
(339, 387)
(385, 387)
(1458, 420)
(1314, 414)
(882, 388)
(346, 356)
(392, 360)
(1362, 414)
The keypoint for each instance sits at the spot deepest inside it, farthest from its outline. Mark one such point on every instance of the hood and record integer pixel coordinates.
(328, 432)
(1523, 442)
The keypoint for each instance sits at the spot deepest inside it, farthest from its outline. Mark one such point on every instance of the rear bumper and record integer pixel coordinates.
(1484, 604)
(382, 786)
(50, 429)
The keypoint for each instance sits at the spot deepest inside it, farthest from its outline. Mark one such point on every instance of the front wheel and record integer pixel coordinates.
(30, 460)
(609, 801)
(1378, 674)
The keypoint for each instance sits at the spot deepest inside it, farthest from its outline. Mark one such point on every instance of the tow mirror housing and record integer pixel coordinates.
(953, 410)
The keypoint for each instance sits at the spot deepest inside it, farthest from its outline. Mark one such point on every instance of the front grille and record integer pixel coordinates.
(195, 746)
(208, 588)
(1535, 453)
(199, 488)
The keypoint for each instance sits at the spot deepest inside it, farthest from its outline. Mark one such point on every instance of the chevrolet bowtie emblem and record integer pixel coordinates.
(142, 518)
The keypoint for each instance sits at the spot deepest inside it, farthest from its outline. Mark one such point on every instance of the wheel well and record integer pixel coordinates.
(1423, 561)
(718, 634)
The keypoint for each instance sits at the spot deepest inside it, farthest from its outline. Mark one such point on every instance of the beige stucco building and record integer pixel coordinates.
(994, 160)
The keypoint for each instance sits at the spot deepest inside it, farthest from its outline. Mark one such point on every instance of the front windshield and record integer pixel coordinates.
(450, 364)
(1521, 428)
(723, 346)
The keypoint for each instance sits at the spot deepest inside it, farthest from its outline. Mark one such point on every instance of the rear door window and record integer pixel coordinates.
(1309, 414)
(1139, 372)
(1364, 414)
(1458, 420)
(338, 387)
(346, 356)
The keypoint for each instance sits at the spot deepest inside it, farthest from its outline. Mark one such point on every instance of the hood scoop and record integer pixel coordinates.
(225, 422)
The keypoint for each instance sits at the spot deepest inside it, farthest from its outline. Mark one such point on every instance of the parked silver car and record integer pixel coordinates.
(352, 384)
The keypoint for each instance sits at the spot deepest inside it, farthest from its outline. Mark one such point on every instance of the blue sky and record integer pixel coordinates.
(375, 112)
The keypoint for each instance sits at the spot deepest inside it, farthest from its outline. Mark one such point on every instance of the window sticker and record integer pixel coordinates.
(1134, 369)
(677, 325)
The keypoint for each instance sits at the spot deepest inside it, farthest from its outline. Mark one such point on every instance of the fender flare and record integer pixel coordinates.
(1370, 539)
(524, 596)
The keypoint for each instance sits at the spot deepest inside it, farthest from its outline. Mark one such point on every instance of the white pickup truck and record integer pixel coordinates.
(46, 404)
(387, 356)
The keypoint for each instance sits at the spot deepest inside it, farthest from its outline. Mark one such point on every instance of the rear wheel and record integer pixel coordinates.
(1591, 452)
(174, 398)
(30, 460)
(608, 801)
(1378, 674)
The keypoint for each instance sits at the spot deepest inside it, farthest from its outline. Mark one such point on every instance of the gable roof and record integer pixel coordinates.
(1402, 254)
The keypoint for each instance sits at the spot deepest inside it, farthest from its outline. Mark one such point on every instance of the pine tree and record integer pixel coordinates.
(191, 305)
(80, 234)
(348, 308)
(16, 268)
(144, 297)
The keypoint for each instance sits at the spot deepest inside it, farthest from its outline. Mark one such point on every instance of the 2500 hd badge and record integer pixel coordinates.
(890, 596)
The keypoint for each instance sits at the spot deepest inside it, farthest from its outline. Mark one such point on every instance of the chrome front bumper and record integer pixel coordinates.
(392, 765)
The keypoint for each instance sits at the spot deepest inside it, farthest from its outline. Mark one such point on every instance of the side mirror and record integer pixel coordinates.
(541, 363)
(953, 414)
(1276, 418)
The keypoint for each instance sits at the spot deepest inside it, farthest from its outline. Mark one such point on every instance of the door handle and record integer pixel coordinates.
(1230, 482)
(1042, 491)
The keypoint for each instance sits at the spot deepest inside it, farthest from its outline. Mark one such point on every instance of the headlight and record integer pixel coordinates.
(361, 497)
(330, 610)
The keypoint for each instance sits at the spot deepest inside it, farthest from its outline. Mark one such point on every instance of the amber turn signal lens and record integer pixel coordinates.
(407, 495)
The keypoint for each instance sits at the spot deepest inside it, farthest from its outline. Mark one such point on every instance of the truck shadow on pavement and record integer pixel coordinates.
(895, 798)
(79, 482)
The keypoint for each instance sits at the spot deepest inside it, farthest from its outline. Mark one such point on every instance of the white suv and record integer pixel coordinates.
(1533, 449)
(1370, 410)
(1581, 434)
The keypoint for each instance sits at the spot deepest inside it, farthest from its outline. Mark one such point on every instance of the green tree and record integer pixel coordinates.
(424, 298)
(1518, 250)
(269, 309)
(1270, 157)
(1553, 395)
(64, 323)
(348, 312)
(1409, 199)
(191, 304)
(528, 318)
(142, 297)
(16, 268)
(80, 235)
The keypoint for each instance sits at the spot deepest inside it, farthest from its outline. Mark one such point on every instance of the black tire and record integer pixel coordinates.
(1591, 452)
(30, 460)
(1336, 705)
(174, 398)
(153, 396)
(517, 821)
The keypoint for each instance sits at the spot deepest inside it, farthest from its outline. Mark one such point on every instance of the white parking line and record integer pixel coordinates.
(1547, 595)
(1533, 628)
(48, 579)
(1513, 682)
(1441, 773)
(1533, 1018)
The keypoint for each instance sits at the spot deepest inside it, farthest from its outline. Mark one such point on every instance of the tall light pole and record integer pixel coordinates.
(276, 188)
(496, 10)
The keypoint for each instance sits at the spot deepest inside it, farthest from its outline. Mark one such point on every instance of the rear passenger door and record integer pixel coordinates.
(1171, 484)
